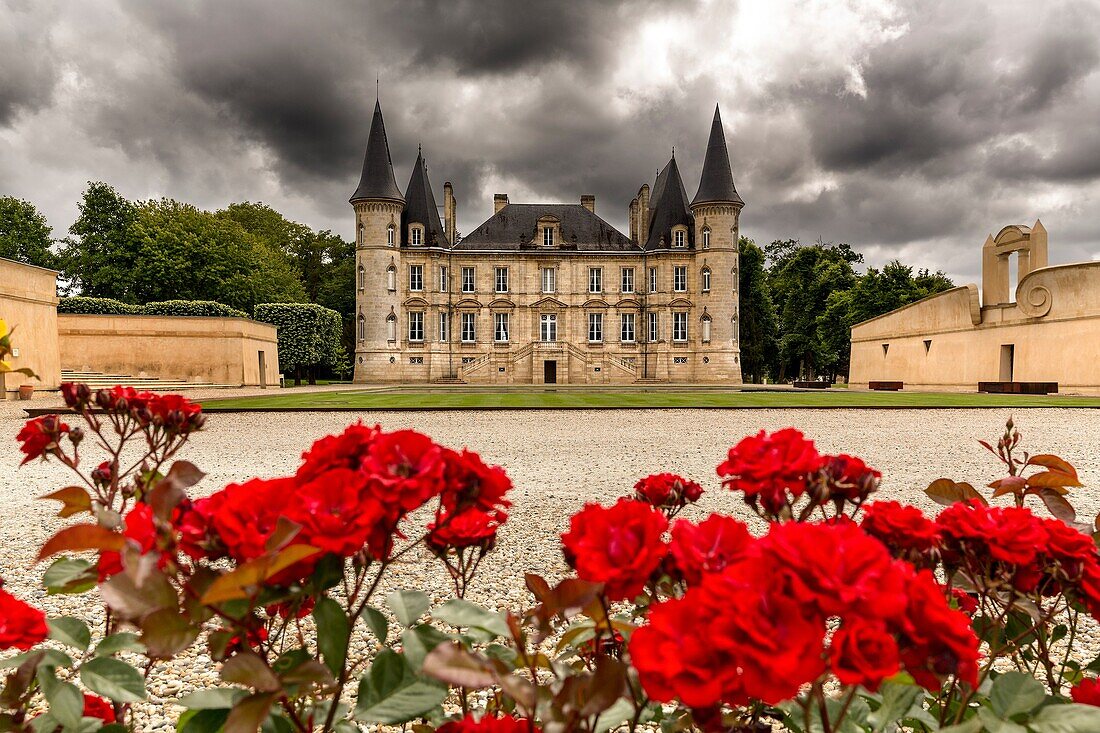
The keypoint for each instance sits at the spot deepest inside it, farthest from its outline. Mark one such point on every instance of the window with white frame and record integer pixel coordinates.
(416, 236)
(679, 326)
(444, 320)
(595, 327)
(626, 328)
(653, 279)
(627, 280)
(706, 279)
(549, 280)
(548, 236)
(362, 276)
(467, 279)
(391, 234)
(362, 327)
(444, 284)
(362, 235)
(502, 279)
(500, 327)
(595, 279)
(391, 277)
(391, 328)
(416, 278)
(706, 237)
(679, 237)
(680, 278)
(706, 330)
(653, 332)
(416, 325)
(548, 327)
(468, 333)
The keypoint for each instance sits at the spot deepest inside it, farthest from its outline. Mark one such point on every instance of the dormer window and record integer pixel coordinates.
(391, 234)
(679, 238)
(416, 236)
(548, 237)
(706, 237)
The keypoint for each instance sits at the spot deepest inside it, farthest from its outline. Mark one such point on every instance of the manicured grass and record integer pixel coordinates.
(518, 397)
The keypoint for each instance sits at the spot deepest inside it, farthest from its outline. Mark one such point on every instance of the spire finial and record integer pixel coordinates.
(376, 88)
(673, 151)
(419, 149)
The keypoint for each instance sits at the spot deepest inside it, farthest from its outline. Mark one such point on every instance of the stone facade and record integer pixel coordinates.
(1047, 329)
(28, 303)
(547, 293)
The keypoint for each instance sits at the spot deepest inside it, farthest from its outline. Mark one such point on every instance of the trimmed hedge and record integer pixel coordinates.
(112, 307)
(309, 334)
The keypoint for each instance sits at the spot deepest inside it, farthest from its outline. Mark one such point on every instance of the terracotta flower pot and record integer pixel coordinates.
(26, 391)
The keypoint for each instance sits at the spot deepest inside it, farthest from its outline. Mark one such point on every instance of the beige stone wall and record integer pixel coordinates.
(948, 342)
(28, 302)
(195, 349)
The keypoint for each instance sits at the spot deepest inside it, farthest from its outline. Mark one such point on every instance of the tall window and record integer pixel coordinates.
(467, 279)
(549, 280)
(626, 328)
(468, 333)
(678, 238)
(444, 285)
(548, 327)
(391, 328)
(628, 280)
(362, 327)
(653, 279)
(362, 235)
(680, 278)
(416, 277)
(595, 279)
(502, 280)
(416, 236)
(706, 237)
(500, 326)
(391, 235)
(595, 327)
(416, 325)
(706, 279)
(362, 276)
(653, 332)
(548, 237)
(443, 322)
(706, 330)
(391, 277)
(680, 326)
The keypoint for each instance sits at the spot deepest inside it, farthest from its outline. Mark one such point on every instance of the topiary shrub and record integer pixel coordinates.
(207, 308)
(97, 306)
(309, 335)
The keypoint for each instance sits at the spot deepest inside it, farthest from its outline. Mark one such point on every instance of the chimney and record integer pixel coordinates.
(500, 200)
(588, 201)
(449, 213)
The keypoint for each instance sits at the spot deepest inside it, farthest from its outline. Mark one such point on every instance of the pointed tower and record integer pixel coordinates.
(716, 210)
(378, 206)
(420, 224)
(669, 211)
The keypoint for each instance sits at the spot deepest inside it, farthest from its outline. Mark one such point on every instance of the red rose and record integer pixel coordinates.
(964, 528)
(1086, 692)
(1018, 535)
(298, 608)
(863, 653)
(469, 528)
(765, 467)
(246, 514)
(936, 640)
(405, 469)
(468, 482)
(97, 707)
(707, 547)
(21, 626)
(667, 491)
(848, 477)
(489, 724)
(40, 436)
(965, 602)
(619, 546)
(1069, 547)
(904, 530)
(194, 523)
(141, 530)
(336, 513)
(346, 450)
(1089, 587)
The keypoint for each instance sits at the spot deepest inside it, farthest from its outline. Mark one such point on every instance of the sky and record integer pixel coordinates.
(908, 129)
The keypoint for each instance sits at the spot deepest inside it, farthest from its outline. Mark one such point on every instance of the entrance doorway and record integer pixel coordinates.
(550, 372)
(1008, 354)
(263, 371)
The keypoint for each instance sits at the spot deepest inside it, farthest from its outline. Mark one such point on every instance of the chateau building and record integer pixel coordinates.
(547, 293)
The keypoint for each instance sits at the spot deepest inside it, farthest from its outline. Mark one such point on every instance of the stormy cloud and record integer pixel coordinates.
(908, 129)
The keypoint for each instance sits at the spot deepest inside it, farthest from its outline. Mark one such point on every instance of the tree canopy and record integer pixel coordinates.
(24, 234)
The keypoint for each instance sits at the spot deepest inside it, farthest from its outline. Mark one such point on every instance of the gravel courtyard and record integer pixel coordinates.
(557, 461)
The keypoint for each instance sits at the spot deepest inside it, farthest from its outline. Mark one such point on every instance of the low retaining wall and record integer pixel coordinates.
(28, 302)
(188, 348)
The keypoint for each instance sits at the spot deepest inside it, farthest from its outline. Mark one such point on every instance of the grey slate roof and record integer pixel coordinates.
(377, 181)
(716, 183)
(669, 204)
(420, 207)
(515, 227)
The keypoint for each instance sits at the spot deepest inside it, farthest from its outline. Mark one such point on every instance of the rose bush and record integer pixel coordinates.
(846, 614)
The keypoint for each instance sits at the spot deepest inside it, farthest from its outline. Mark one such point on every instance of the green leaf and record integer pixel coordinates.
(418, 641)
(333, 632)
(113, 678)
(461, 613)
(896, 701)
(248, 714)
(69, 575)
(202, 721)
(121, 642)
(218, 698)
(1073, 718)
(408, 605)
(992, 724)
(70, 631)
(618, 713)
(50, 658)
(65, 699)
(391, 693)
(377, 623)
(1014, 693)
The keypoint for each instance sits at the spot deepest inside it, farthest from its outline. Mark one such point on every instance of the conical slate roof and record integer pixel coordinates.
(716, 183)
(420, 207)
(670, 207)
(377, 181)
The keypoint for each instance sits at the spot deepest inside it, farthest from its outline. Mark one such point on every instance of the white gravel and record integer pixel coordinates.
(558, 461)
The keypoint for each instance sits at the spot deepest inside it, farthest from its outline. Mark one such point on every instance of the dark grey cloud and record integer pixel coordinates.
(906, 128)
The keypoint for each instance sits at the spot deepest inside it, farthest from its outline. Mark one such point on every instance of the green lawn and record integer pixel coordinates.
(475, 398)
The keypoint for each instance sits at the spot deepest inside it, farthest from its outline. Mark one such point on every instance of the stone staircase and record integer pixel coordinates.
(100, 380)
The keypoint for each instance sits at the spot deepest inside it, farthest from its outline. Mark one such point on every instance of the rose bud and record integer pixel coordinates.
(76, 435)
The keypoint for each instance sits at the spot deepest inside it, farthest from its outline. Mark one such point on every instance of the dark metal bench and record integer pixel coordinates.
(886, 386)
(1018, 387)
(811, 385)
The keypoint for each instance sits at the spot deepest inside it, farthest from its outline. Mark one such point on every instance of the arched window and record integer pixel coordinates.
(391, 278)
(706, 329)
(391, 235)
(362, 234)
(391, 327)
(362, 276)
(362, 327)
(706, 279)
(706, 237)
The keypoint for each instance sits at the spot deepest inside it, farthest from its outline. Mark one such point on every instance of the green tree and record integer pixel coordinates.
(100, 261)
(309, 337)
(24, 234)
(757, 313)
